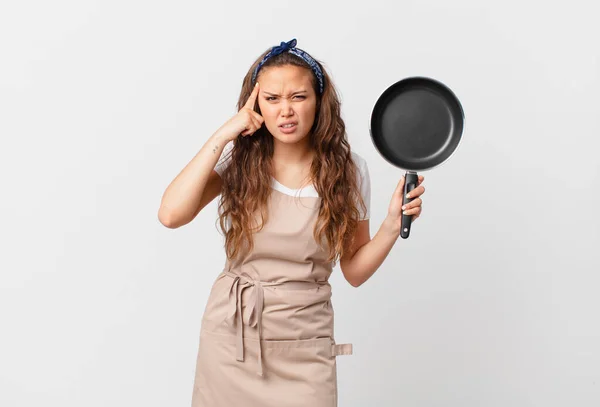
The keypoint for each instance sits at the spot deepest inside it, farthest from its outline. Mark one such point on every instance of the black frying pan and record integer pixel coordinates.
(416, 124)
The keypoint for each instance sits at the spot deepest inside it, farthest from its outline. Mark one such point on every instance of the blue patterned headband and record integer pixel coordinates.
(290, 47)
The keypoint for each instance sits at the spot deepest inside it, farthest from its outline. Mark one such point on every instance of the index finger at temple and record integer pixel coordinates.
(252, 98)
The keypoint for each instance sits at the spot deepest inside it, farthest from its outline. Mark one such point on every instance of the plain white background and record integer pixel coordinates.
(492, 301)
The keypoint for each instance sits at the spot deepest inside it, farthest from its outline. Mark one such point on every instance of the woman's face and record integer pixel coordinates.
(286, 95)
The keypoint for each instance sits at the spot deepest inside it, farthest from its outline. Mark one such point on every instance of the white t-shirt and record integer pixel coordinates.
(364, 181)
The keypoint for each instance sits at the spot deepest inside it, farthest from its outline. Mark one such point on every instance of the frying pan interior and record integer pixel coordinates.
(417, 123)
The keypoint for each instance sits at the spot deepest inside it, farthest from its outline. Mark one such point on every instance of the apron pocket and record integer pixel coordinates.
(303, 367)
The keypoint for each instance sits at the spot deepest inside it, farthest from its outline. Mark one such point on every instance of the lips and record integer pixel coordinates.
(292, 123)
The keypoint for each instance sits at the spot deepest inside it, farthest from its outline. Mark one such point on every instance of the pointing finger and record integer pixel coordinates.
(252, 98)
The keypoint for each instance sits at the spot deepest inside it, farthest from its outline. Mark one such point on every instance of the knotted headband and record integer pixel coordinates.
(290, 47)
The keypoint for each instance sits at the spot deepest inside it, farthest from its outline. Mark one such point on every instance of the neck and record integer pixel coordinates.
(292, 154)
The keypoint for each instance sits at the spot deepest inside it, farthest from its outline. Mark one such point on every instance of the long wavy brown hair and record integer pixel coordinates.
(333, 172)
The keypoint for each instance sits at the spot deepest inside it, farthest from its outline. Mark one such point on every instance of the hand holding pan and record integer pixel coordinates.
(416, 124)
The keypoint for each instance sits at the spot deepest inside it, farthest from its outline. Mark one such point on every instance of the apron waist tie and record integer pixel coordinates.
(234, 314)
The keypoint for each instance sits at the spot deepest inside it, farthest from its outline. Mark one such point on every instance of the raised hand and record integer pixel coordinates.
(246, 122)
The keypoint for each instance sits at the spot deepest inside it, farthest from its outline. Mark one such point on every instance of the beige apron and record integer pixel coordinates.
(267, 337)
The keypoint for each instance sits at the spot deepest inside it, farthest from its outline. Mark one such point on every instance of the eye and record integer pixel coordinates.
(300, 96)
(269, 98)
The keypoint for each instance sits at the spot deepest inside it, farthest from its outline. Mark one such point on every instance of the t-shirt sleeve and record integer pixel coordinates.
(225, 159)
(364, 183)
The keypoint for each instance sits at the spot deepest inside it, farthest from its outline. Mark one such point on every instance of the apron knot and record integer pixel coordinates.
(234, 314)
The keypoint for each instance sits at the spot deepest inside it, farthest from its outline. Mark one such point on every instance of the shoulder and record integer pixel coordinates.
(357, 157)
(364, 183)
(362, 173)
(361, 164)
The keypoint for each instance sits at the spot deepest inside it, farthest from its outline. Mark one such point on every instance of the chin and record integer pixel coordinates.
(288, 138)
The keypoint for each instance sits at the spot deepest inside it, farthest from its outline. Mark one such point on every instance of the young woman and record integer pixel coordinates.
(294, 201)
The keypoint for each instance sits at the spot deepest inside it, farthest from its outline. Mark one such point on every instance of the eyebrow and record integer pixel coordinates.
(275, 94)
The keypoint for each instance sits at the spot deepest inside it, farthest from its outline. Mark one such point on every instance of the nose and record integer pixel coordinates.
(286, 108)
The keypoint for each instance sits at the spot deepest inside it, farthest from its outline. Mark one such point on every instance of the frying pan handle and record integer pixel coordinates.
(410, 182)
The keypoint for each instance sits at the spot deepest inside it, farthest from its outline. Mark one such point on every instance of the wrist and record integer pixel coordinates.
(392, 226)
(222, 135)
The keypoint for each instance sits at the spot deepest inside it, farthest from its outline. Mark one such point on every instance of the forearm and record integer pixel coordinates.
(370, 256)
(182, 197)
